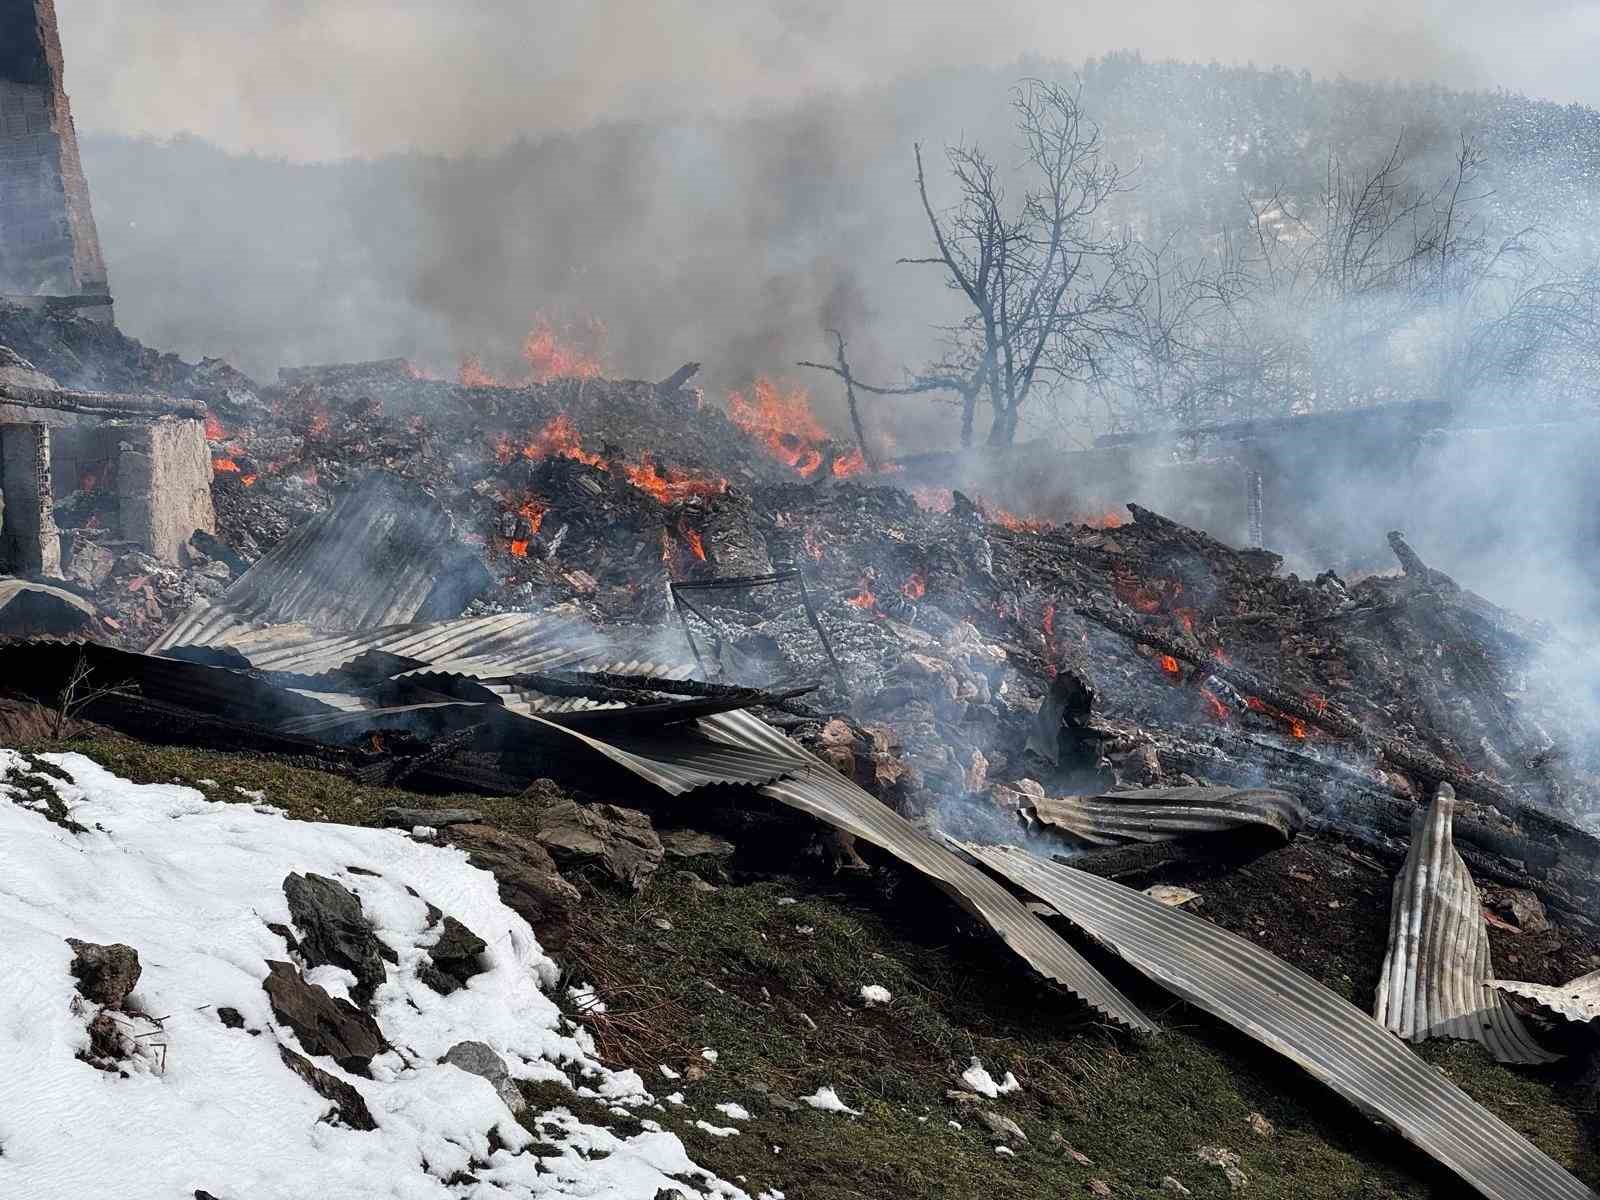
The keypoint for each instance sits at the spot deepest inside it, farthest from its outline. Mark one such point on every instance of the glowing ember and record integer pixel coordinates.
(556, 354)
(248, 480)
(813, 543)
(1171, 666)
(224, 466)
(916, 587)
(472, 374)
(863, 599)
(932, 499)
(1132, 594)
(1009, 520)
(532, 512)
(850, 464)
(672, 487)
(697, 547)
(1105, 520)
(1214, 707)
(519, 548)
(214, 430)
(559, 439)
(782, 421)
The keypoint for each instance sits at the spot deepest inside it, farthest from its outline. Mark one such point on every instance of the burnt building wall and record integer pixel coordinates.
(48, 243)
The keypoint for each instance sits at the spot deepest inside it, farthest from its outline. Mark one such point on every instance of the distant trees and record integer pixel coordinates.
(1378, 287)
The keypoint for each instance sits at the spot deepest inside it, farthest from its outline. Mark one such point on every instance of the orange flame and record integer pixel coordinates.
(552, 353)
(813, 543)
(1105, 520)
(1010, 520)
(863, 599)
(519, 548)
(248, 480)
(1171, 666)
(214, 430)
(697, 546)
(225, 466)
(672, 487)
(916, 587)
(558, 439)
(471, 373)
(1214, 707)
(847, 465)
(782, 421)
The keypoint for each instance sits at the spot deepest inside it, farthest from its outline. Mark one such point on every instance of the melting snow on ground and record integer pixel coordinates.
(826, 1099)
(191, 885)
(977, 1078)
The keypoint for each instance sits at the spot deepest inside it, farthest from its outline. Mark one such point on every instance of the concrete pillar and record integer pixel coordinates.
(29, 543)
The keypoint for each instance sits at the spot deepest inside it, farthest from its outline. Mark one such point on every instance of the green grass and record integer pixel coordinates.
(682, 969)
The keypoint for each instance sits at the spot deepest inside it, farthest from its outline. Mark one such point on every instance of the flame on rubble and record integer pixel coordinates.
(864, 598)
(1129, 591)
(935, 500)
(224, 466)
(851, 464)
(916, 587)
(1214, 707)
(558, 439)
(782, 421)
(696, 544)
(1171, 666)
(672, 487)
(472, 374)
(1105, 520)
(813, 543)
(214, 430)
(519, 547)
(573, 352)
(1009, 520)
(248, 480)
(1297, 727)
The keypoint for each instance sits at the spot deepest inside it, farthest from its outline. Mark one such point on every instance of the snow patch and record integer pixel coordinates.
(873, 994)
(827, 1100)
(978, 1079)
(191, 885)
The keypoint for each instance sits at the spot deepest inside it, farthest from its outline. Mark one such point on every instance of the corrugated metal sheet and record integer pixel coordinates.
(490, 646)
(383, 554)
(39, 608)
(1577, 1000)
(1435, 980)
(1161, 814)
(1288, 1011)
(740, 748)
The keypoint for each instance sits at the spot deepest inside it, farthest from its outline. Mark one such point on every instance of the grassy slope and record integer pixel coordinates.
(682, 969)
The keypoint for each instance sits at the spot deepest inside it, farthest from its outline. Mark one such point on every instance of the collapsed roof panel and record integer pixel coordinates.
(1436, 971)
(384, 554)
(1288, 1011)
(1162, 814)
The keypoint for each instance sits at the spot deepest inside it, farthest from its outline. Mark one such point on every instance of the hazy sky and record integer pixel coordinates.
(331, 78)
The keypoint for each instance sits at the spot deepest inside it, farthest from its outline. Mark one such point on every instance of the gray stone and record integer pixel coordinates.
(323, 1023)
(529, 882)
(438, 818)
(1002, 1127)
(105, 974)
(349, 1103)
(619, 840)
(691, 843)
(90, 563)
(477, 1058)
(333, 931)
(454, 958)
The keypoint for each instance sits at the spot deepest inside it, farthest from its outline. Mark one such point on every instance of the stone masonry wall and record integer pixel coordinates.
(48, 241)
(164, 485)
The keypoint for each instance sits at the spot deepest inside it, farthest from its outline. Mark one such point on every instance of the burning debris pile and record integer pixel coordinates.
(475, 586)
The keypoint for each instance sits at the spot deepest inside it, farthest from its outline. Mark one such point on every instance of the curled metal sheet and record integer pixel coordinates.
(1162, 814)
(1435, 980)
(1576, 1000)
(740, 748)
(1285, 1009)
(383, 554)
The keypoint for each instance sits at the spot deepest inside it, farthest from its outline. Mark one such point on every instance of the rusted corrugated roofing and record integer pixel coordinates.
(39, 608)
(740, 748)
(1287, 1010)
(1435, 980)
(1161, 814)
(383, 554)
(1577, 1000)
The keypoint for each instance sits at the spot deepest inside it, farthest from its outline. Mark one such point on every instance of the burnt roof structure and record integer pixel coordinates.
(49, 249)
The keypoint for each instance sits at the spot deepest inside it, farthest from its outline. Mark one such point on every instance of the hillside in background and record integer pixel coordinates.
(736, 243)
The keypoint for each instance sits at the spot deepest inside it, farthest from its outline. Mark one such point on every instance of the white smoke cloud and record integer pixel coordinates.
(340, 78)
